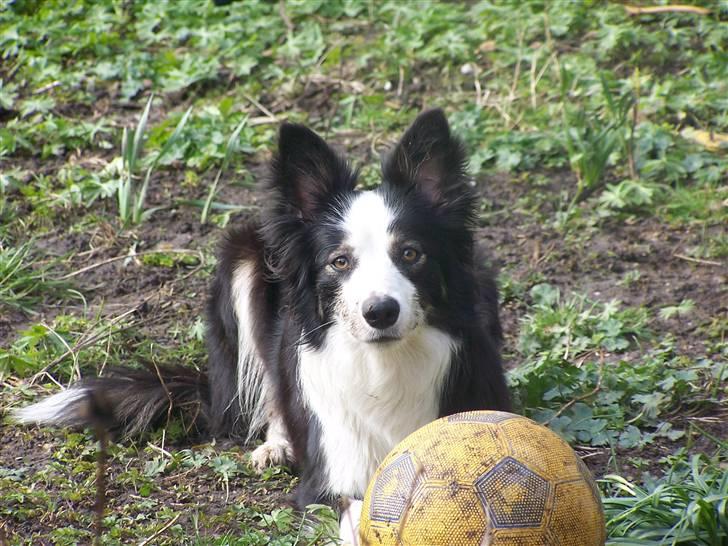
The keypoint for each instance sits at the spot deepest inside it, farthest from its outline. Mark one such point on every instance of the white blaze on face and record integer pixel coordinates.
(367, 227)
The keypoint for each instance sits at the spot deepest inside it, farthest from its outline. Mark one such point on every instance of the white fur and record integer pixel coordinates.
(52, 410)
(349, 523)
(252, 383)
(276, 449)
(253, 392)
(369, 396)
(367, 226)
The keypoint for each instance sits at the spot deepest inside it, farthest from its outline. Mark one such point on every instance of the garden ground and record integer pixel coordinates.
(598, 145)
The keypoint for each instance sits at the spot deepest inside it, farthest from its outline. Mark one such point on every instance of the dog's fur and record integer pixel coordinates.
(341, 321)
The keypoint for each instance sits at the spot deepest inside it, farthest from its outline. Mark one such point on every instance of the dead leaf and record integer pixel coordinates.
(708, 139)
(487, 46)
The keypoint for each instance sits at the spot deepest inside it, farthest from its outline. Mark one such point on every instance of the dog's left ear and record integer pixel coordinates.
(429, 157)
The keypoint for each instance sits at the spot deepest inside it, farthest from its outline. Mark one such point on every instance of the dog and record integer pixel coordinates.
(339, 321)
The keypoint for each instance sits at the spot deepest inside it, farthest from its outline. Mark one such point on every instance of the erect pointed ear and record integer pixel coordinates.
(306, 171)
(429, 158)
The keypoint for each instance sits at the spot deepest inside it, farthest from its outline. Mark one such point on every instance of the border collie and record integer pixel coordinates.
(340, 321)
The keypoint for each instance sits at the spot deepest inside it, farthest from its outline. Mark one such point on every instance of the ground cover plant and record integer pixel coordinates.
(132, 132)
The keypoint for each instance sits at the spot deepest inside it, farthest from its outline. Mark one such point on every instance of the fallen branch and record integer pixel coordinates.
(101, 466)
(161, 530)
(675, 8)
(262, 108)
(573, 401)
(46, 88)
(93, 338)
(697, 260)
(125, 256)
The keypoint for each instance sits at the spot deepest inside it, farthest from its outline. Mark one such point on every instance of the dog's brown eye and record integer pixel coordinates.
(410, 255)
(340, 263)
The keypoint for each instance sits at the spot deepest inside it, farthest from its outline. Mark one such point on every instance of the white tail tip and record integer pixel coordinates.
(58, 409)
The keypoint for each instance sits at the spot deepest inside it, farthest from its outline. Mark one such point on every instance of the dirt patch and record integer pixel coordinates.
(198, 493)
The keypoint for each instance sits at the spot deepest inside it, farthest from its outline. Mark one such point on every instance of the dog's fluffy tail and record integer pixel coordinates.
(126, 401)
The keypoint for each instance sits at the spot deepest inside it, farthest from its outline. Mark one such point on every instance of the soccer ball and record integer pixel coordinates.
(482, 478)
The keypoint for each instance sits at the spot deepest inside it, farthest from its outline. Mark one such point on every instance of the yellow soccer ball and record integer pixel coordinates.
(482, 478)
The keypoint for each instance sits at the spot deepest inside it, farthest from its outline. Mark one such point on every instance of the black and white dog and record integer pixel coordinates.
(340, 322)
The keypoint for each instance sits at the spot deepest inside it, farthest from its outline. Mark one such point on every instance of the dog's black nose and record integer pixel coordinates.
(380, 312)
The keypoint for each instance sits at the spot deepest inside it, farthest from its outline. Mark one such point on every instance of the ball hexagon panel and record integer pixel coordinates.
(540, 449)
(513, 494)
(448, 457)
(574, 520)
(432, 511)
(393, 489)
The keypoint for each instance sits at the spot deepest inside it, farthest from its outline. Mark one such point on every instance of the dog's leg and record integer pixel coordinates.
(349, 523)
(277, 448)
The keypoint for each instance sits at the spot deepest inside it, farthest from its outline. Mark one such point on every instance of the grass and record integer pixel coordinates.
(230, 149)
(688, 506)
(130, 132)
(23, 282)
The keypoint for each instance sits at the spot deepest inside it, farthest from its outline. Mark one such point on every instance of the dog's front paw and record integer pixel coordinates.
(271, 454)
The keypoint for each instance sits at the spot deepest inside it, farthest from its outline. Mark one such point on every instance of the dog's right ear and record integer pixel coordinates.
(307, 171)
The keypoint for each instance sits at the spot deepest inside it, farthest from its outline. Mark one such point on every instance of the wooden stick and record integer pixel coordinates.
(161, 530)
(125, 256)
(697, 260)
(582, 397)
(677, 8)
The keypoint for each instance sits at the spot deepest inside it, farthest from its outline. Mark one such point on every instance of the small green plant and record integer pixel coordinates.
(565, 380)
(627, 195)
(683, 309)
(590, 139)
(689, 506)
(130, 196)
(230, 149)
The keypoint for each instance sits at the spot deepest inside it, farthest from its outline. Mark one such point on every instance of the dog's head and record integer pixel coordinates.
(380, 262)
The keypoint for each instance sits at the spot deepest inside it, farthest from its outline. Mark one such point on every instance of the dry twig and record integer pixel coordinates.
(125, 256)
(591, 393)
(161, 530)
(697, 260)
(675, 8)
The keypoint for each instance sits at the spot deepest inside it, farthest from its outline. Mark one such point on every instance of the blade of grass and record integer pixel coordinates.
(123, 190)
(139, 215)
(138, 142)
(229, 149)
(216, 205)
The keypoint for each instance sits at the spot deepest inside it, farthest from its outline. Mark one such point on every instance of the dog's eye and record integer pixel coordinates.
(410, 255)
(340, 263)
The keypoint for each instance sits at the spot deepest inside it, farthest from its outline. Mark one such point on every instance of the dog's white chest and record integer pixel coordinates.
(368, 397)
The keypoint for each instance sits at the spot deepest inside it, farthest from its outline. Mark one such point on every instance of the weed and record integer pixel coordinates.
(627, 195)
(565, 381)
(131, 197)
(681, 310)
(590, 142)
(230, 149)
